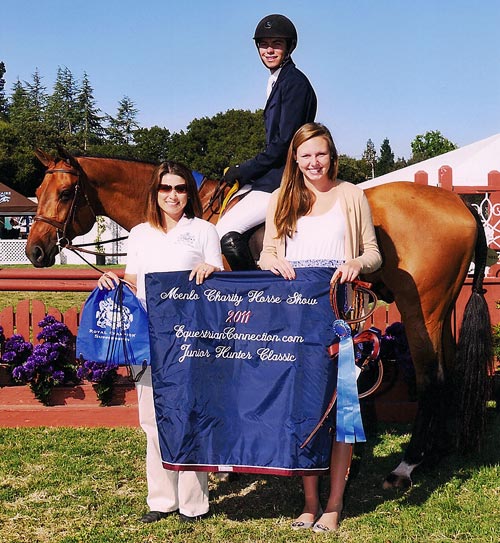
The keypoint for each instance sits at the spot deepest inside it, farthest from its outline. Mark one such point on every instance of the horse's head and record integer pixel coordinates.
(63, 211)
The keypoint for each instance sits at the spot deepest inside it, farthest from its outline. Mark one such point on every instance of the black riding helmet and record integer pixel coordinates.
(277, 26)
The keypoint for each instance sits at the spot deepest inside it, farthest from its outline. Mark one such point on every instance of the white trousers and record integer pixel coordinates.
(168, 490)
(246, 214)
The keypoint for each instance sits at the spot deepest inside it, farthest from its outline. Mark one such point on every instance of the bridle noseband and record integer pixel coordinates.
(62, 226)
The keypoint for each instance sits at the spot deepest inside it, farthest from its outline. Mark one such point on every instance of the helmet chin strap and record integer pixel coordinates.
(286, 60)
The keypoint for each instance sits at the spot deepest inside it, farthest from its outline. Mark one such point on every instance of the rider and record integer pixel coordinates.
(291, 102)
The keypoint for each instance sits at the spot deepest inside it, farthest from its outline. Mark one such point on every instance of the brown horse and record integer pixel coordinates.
(427, 237)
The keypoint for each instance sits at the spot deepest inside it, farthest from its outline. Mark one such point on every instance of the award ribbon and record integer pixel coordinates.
(349, 423)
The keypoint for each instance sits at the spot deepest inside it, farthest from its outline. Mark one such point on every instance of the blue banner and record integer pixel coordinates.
(241, 373)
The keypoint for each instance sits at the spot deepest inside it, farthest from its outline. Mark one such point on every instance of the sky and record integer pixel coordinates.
(381, 69)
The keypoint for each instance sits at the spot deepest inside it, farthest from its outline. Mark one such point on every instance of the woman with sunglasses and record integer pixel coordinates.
(174, 238)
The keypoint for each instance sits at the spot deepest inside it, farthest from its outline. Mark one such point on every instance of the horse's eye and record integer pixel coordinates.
(66, 195)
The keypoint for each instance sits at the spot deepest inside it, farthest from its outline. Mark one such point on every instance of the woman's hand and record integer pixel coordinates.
(108, 280)
(280, 266)
(347, 272)
(201, 272)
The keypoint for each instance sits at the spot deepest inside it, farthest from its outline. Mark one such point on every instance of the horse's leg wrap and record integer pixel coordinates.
(237, 252)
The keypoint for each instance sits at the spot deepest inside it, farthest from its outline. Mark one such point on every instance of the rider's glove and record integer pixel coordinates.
(231, 176)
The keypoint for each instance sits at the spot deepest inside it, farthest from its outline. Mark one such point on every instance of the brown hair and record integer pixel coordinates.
(154, 214)
(295, 200)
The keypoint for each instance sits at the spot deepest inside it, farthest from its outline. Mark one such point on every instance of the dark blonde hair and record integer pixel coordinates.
(154, 214)
(295, 200)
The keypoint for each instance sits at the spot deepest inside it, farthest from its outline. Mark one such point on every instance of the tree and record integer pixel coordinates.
(385, 163)
(62, 112)
(401, 162)
(25, 131)
(90, 128)
(3, 99)
(353, 170)
(370, 156)
(152, 144)
(429, 145)
(19, 109)
(121, 128)
(37, 98)
(8, 144)
(211, 144)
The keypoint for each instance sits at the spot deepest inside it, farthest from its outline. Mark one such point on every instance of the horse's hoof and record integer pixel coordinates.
(397, 481)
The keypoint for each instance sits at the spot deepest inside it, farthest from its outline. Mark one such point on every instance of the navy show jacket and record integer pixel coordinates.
(291, 104)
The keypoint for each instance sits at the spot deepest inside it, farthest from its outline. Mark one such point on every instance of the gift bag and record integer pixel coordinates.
(114, 328)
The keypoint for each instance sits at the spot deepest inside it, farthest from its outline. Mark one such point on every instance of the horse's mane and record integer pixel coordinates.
(106, 157)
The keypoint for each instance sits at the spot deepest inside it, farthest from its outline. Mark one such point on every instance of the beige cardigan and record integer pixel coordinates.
(360, 241)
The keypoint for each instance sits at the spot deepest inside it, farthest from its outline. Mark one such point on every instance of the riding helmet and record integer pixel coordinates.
(277, 26)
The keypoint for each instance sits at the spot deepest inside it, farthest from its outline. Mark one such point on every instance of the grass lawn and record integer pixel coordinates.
(88, 486)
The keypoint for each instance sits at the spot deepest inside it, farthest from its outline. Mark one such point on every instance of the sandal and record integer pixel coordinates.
(304, 525)
(321, 527)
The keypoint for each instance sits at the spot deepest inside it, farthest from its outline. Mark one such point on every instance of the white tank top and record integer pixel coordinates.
(319, 240)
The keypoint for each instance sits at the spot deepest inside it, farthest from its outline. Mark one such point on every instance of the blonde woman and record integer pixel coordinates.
(315, 220)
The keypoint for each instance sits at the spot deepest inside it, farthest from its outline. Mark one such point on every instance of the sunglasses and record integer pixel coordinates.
(180, 189)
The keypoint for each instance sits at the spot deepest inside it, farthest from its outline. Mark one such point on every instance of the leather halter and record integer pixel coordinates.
(62, 226)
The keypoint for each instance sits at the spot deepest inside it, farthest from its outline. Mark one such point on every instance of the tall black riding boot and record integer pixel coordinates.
(237, 252)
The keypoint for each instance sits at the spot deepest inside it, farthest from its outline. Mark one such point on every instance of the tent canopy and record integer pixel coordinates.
(470, 165)
(12, 203)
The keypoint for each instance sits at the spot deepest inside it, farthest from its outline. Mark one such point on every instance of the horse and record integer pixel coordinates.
(427, 236)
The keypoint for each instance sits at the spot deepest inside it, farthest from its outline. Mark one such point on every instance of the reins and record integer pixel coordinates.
(219, 199)
(356, 310)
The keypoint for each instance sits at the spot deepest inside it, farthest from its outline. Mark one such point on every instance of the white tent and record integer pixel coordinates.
(470, 166)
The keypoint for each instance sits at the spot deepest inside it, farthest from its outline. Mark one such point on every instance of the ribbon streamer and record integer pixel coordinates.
(349, 423)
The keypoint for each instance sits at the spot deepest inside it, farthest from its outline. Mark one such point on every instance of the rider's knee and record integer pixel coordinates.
(231, 241)
(235, 248)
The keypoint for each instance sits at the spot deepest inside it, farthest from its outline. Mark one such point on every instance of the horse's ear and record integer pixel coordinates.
(43, 157)
(65, 155)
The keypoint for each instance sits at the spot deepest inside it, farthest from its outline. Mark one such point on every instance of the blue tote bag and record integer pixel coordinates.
(114, 328)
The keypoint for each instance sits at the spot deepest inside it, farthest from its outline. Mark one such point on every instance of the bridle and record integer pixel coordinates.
(63, 241)
(62, 226)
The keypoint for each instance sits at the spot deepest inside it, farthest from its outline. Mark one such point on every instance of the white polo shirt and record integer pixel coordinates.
(190, 243)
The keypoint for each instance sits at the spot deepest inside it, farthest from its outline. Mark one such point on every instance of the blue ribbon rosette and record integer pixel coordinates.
(349, 423)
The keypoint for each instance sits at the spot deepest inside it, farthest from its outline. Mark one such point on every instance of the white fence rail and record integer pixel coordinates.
(12, 251)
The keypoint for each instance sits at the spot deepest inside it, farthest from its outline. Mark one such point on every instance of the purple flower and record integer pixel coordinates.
(54, 331)
(58, 376)
(95, 372)
(46, 364)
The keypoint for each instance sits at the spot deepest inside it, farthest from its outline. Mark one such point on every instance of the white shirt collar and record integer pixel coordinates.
(271, 81)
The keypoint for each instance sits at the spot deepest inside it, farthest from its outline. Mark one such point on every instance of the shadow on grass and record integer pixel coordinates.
(262, 497)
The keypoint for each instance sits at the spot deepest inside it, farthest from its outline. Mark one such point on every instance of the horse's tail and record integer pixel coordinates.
(474, 354)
